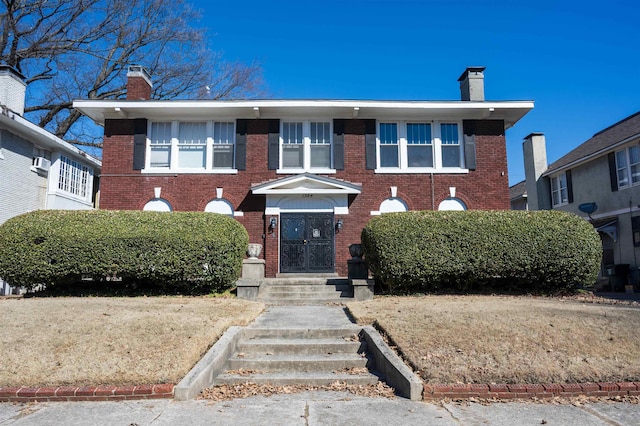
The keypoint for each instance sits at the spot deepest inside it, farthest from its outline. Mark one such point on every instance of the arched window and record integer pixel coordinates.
(452, 204)
(219, 206)
(158, 205)
(391, 205)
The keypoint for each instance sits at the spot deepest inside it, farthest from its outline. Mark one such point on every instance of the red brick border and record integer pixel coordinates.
(86, 393)
(539, 391)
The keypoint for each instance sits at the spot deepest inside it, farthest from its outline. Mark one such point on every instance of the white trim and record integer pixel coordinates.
(238, 214)
(311, 170)
(168, 171)
(341, 210)
(272, 211)
(422, 170)
(618, 212)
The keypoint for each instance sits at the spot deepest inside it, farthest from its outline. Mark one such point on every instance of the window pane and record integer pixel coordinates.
(634, 160)
(388, 133)
(388, 155)
(292, 156)
(450, 156)
(223, 156)
(320, 133)
(191, 156)
(292, 133)
(420, 156)
(160, 156)
(449, 134)
(193, 133)
(321, 156)
(418, 133)
(161, 133)
(223, 133)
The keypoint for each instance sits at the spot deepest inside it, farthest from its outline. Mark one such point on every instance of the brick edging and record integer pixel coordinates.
(528, 391)
(85, 393)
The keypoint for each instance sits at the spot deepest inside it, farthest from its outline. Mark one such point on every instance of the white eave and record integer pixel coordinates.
(100, 110)
(306, 183)
(44, 139)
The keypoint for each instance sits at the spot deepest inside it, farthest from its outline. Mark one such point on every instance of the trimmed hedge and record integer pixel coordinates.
(482, 251)
(192, 252)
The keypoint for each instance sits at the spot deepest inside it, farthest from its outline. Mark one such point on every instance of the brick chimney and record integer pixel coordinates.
(472, 84)
(138, 83)
(534, 149)
(12, 89)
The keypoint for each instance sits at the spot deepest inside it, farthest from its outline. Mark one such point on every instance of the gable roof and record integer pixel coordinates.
(517, 191)
(602, 142)
(306, 183)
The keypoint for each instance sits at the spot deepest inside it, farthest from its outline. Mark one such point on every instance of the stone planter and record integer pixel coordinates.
(355, 250)
(253, 251)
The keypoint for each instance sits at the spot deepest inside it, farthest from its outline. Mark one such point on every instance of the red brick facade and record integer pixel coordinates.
(484, 188)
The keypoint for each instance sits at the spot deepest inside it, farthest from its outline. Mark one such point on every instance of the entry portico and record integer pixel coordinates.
(303, 214)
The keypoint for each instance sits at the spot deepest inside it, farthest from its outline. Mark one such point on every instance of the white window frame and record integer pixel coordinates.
(74, 178)
(557, 188)
(436, 144)
(306, 148)
(627, 167)
(175, 149)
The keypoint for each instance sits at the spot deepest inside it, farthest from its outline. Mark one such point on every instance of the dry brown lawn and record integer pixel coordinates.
(501, 339)
(114, 341)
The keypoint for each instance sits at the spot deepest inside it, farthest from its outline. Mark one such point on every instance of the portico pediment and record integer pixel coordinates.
(306, 184)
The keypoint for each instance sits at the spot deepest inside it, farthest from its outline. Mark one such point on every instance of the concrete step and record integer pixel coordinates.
(299, 346)
(284, 378)
(323, 288)
(297, 363)
(347, 333)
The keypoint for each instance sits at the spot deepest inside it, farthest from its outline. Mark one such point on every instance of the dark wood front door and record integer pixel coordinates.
(306, 242)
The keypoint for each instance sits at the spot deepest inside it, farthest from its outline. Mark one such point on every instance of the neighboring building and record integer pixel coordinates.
(518, 196)
(304, 176)
(37, 169)
(599, 181)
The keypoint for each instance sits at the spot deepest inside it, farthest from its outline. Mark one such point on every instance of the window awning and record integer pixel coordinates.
(607, 226)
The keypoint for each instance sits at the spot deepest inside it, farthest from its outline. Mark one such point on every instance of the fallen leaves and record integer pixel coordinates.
(245, 390)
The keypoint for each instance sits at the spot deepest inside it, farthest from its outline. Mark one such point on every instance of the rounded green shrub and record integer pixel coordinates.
(482, 251)
(191, 252)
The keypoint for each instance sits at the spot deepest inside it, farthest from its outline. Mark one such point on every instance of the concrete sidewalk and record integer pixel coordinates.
(314, 408)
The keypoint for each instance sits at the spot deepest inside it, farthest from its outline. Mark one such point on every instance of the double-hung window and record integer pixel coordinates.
(191, 146)
(223, 136)
(628, 166)
(306, 146)
(419, 145)
(160, 145)
(559, 192)
(450, 140)
(415, 147)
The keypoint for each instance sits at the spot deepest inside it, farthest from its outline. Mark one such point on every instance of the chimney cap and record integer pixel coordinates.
(8, 69)
(471, 70)
(139, 71)
(532, 134)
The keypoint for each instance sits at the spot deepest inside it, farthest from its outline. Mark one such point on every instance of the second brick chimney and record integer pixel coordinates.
(138, 83)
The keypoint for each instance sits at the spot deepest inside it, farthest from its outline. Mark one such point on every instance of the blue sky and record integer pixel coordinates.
(578, 60)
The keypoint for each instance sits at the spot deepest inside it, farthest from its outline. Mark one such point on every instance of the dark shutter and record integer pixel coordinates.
(274, 144)
(569, 186)
(470, 151)
(241, 144)
(613, 172)
(338, 144)
(370, 143)
(139, 143)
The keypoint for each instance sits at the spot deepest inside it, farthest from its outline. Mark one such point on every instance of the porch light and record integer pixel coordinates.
(339, 224)
(273, 222)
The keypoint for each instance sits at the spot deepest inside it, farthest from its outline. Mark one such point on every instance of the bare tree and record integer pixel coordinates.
(80, 49)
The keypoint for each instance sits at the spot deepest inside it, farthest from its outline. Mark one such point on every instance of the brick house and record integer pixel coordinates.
(304, 176)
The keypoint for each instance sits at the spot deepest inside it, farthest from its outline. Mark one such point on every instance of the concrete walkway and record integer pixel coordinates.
(313, 408)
